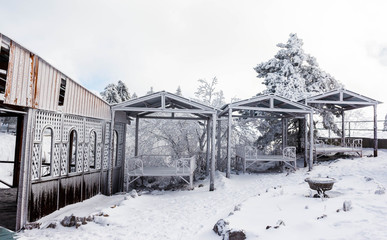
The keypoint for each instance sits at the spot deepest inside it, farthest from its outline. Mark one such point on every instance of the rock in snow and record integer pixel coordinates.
(133, 193)
(347, 205)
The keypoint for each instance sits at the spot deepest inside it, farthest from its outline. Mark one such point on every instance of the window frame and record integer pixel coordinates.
(94, 158)
(50, 155)
(70, 151)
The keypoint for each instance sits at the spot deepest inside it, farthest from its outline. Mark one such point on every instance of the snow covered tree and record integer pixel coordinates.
(123, 92)
(294, 74)
(134, 95)
(150, 91)
(208, 94)
(178, 91)
(110, 94)
(115, 93)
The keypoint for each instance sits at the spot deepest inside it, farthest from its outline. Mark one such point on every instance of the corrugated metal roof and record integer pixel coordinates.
(32, 82)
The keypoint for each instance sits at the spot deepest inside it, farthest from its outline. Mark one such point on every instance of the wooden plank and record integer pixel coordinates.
(342, 128)
(208, 124)
(341, 102)
(375, 131)
(212, 175)
(311, 142)
(229, 132)
(273, 109)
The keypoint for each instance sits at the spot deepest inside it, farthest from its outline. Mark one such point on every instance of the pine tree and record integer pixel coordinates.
(294, 74)
(150, 91)
(123, 91)
(115, 93)
(178, 91)
(110, 94)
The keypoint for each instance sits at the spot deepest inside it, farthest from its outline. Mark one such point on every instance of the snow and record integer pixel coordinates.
(263, 200)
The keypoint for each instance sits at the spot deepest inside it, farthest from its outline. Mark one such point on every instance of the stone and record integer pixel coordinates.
(237, 207)
(33, 225)
(221, 227)
(51, 225)
(133, 193)
(69, 221)
(236, 235)
(347, 205)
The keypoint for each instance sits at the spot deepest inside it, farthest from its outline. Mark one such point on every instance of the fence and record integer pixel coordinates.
(359, 129)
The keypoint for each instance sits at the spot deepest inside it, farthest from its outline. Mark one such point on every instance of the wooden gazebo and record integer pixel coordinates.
(272, 106)
(343, 100)
(165, 105)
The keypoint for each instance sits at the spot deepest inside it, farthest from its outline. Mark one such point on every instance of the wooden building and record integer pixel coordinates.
(63, 138)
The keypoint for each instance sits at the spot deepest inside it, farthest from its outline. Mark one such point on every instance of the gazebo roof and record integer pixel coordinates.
(340, 99)
(268, 103)
(163, 102)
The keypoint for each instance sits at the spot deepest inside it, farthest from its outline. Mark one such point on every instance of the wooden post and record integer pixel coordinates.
(208, 148)
(375, 131)
(305, 142)
(136, 137)
(111, 147)
(219, 141)
(228, 173)
(349, 129)
(311, 142)
(25, 168)
(342, 128)
(284, 132)
(212, 175)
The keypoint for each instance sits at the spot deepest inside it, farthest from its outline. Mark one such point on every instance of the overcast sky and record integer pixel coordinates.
(166, 44)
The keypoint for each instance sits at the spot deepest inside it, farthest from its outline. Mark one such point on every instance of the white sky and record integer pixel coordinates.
(168, 43)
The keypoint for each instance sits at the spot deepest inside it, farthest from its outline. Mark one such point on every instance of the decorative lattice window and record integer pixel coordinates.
(46, 152)
(73, 148)
(93, 150)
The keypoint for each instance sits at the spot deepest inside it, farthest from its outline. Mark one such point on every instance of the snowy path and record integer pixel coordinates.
(192, 214)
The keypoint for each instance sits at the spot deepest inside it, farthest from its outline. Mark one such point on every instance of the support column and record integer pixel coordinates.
(228, 173)
(212, 175)
(208, 148)
(305, 122)
(136, 137)
(219, 140)
(110, 164)
(375, 131)
(24, 177)
(342, 128)
(311, 139)
(284, 132)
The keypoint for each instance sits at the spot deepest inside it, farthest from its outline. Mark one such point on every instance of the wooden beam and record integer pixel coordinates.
(136, 137)
(212, 175)
(342, 128)
(375, 131)
(340, 102)
(229, 132)
(166, 110)
(176, 118)
(305, 122)
(219, 139)
(273, 109)
(208, 147)
(111, 162)
(311, 140)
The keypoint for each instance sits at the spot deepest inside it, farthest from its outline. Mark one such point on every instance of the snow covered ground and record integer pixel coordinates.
(264, 200)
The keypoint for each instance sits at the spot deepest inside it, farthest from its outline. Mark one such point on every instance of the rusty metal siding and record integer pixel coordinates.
(32, 82)
(18, 90)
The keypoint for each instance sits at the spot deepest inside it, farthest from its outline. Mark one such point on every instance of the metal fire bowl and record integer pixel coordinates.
(320, 184)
